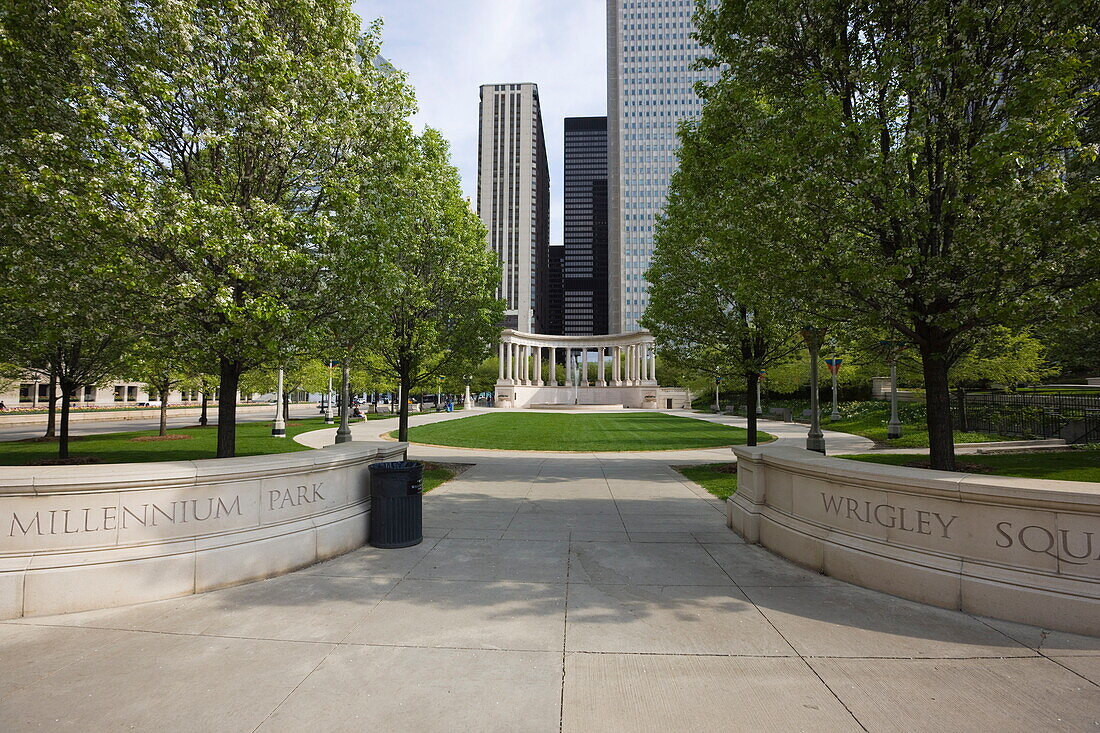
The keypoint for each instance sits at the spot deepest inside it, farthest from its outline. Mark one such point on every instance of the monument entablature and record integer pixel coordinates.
(610, 369)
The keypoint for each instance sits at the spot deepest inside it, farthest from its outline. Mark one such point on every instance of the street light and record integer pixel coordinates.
(577, 378)
(834, 368)
(468, 402)
(343, 433)
(328, 397)
(759, 392)
(815, 440)
(278, 430)
(717, 403)
(893, 427)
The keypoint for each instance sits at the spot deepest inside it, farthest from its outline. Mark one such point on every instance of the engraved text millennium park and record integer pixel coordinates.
(108, 518)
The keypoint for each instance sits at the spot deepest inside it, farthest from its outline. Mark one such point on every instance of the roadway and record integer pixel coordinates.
(99, 427)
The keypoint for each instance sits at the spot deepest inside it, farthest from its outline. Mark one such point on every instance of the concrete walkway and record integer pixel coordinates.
(100, 427)
(573, 592)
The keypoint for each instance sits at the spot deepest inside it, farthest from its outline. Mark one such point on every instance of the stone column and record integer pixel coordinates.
(526, 364)
(645, 362)
(584, 366)
(653, 361)
(508, 362)
(500, 359)
(569, 366)
(600, 380)
(616, 365)
(538, 366)
(553, 373)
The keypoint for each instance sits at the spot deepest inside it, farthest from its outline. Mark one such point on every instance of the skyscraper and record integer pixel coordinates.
(550, 294)
(585, 226)
(513, 193)
(649, 91)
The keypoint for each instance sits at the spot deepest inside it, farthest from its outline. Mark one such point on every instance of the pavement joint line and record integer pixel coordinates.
(784, 638)
(565, 629)
(1038, 650)
(794, 653)
(343, 640)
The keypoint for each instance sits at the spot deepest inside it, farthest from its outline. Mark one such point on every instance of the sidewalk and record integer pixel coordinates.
(553, 593)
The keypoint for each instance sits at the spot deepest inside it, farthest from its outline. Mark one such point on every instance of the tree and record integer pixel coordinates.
(707, 309)
(162, 369)
(1073, 336)
(925, 160)
(441, 315)
(247, 130)
(71, 287)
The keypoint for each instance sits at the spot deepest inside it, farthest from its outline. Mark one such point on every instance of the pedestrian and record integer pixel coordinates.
(3, 406)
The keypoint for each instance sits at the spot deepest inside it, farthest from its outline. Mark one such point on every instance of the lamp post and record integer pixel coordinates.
(815, 440)
(577, 377)
(328, 396)
(468, 402)
(343, 433)
(278, 429)
(438, 391)
(834, 368)
(893, 427)
(759, 392)
(717, 403)
(205, 401)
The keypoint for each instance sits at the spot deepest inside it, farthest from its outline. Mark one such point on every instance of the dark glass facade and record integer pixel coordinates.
(584, 302)
(551, 295)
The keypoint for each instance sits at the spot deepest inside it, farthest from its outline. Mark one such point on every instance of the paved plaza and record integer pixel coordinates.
(574, 592)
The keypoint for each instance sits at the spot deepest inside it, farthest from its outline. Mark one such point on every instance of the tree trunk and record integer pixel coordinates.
(751, 379)
(941, 439)
(230, 374)
(403, 420)
(51, 419)
(66, 401)
(163, 410)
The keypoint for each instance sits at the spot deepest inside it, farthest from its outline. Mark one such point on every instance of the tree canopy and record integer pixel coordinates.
(926, 163)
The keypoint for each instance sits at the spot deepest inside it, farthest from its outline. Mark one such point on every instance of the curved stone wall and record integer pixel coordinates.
(75, 538)
(1018, 549)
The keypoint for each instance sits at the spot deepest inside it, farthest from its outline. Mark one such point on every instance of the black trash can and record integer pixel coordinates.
(396, 504)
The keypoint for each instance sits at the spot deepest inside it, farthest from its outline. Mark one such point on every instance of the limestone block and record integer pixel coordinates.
(869, 565)
(262, 554)
(1034, 606)
(65, 588)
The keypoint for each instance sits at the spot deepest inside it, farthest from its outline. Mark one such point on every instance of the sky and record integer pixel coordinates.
(451, 47)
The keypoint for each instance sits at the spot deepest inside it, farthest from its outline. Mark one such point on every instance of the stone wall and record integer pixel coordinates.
(1018, 549)
(75, 538)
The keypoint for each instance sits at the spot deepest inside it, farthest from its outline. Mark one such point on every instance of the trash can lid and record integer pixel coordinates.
(393, 466)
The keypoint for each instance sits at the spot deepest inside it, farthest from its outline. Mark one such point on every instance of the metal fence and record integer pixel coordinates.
(1075, 418)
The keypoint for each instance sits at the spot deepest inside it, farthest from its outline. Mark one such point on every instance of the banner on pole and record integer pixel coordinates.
(834, 365)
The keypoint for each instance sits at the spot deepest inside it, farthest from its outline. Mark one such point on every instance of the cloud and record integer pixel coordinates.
(451, 47)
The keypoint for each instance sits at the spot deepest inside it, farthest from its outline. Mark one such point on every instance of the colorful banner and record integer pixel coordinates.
(834, 365)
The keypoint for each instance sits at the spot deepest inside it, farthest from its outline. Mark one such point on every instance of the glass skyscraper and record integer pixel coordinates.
(650, 81)
(585, 226)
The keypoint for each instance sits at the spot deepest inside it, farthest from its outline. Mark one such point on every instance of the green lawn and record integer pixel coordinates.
(873, 426)
(253, 439)
(719, 479)
(1074, 465)
(629, 431)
